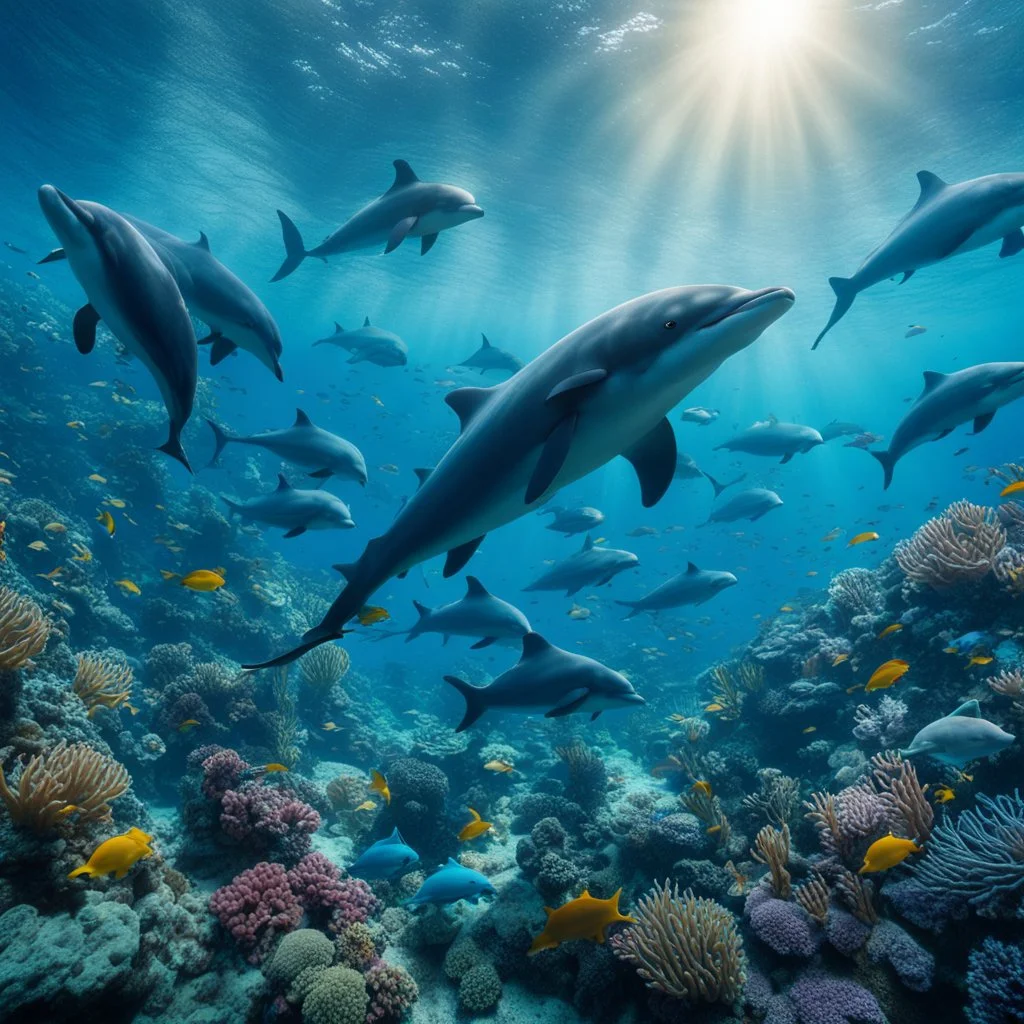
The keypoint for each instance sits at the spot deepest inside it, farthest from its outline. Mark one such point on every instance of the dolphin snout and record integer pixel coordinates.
(471, 211)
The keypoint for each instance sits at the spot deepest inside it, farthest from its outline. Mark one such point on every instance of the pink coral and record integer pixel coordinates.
(392, 991)
(265, 814)
(222, 771)
(318, 885)
(255, 906)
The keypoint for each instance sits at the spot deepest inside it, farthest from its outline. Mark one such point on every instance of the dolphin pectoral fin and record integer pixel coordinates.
(654, 459)
(594, 717)
(296, 531)
(907, 275)
(571, 702)
(943, 433)
(84, 329)
(398, 233)
(426, 244)
(53, 256)
(1012, 244)
(486, 642)
(222, 348)
(552, 457)
(458, 557)
(577, 381)
(785, 458)
(403, 574)
(981, 422)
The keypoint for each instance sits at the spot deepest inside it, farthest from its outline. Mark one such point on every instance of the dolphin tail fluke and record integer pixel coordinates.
(295, 249)
(310, 640)
(220, 438)
(714, 483)
(846, 292)
(888, 464)
(633, 609)
(474, 706)
(172, 447)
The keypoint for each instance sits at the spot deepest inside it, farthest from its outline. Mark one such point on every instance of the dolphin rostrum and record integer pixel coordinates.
(410, 208)
(770, 437)
(572, 520)
(134, 294)
(368, 344)
(752, 504)
(601, 391)
(490, 357)
(549, 679)
(695, 586)
(962, 736)
(591, 566)
(303, 444)
(948, 219)
(974, 393)
(294, 510)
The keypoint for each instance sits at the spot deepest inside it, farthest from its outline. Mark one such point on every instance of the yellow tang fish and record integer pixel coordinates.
(371, 613)
(887, 673)
(582, 918)
(107, 521)
(117, 855)
(378, 784)
(189, 723)
(1014, 488)
(714, 706)
(701, 786)
(887, 852)
(943, 795)
(275, 766)
(839, 659)
(477, 827)
(889, 630)
(203, 580)
(810, 728)
(860, 538)
(366, 805)
(980, 659)
(329, 727)
(128, 587)
(499, 766)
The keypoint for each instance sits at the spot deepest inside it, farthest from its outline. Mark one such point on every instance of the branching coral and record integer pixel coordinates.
(66, 778)
(1008, 567)
(883, 724)
(855, 592)
(1008, 684)
(322, 667)
(895, 781)
(771, 847)
(687, 947)
(814, 896)
(102, 683)
(709, 810)
(24, 630)
(778, 798)
(859, 896)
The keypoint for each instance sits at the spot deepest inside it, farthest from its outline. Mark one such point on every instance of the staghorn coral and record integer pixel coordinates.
(102, 683)
(814, 896)
(771, 847)
(778, 798)
(24, 630)
(684, 946)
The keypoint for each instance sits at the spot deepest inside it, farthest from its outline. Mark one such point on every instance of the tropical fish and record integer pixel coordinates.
(499, 766)
(1014, 488)
(379, 784)
(38, 545)
(275, 766)
(860, 538)
(452, 883)
(886, 674)
(107, 521)
(979, 659)
(82, 554)
(55, 528)
(128, 587)
(943, 795)
(203, 580)
(68, 809)
(887, 852)
(713, 707)
(714, 830)
(187, 725)
(116, 855)
(582, 918)
(329, 727)
(701, 786)
(370, 614)
(366, 805)
(97, 479)
(914, 330)
(810, 729)
(894, 628)
(786, 608)
(839, 659)
(52, 574)
(168, 575)
(578, 612)
(477, 827)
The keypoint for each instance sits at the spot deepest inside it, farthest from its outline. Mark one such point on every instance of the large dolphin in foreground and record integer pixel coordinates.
(962, 736)
(368, 344)
(551, 680)
(948, 219)
(695, 586)
(295, 510)
(770, 437)
(410, 208)
(134, 294)
(601, 391)
(974, 393)
(591, 566)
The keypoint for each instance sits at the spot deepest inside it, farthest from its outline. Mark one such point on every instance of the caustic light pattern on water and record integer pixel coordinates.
(441, 577)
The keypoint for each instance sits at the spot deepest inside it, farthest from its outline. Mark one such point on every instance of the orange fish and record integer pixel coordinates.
(886, 674)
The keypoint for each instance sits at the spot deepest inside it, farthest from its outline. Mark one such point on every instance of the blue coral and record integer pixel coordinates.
(995, 983)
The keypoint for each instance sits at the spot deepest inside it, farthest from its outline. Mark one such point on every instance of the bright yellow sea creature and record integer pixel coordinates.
(38, 545)
(943, 794)
(839, 659)
(861, 538)
(117, 855)
(370, 614)
(887, 852)
(700, 786)
(117, 503)
(379, 784)
(499, 766)
(713, 707)
(82, 554)
(476, 827)
(97, 479)
(188, 725)
(55, 528)
(1014, 488)
(203, 580)
(107, 522)
(582, 918)
(886, 674)
(889, 630)
(128, 587)
(810, 729)
(786, 608)
(275, 766)
(366, 805)
(328, 727)
(980, 659)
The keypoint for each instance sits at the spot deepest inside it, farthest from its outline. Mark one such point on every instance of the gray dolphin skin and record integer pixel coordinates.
(572, 520)
(368, 344)
(134, 294)
(490, 357)
(551, 680)
(962, 736)
(295, 511)
(840, 428)
(695, 586)
(591, 566)
(770, 437)
(699, 415)
(687, 469)
(409, 209)
(601, 391)
(976, 393)
(947, 220)
(752, 504)
(303, 444)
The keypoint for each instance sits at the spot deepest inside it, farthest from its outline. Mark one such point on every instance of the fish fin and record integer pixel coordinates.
(691, 569)
(322, 474)
(366, 321)
(423, 474)
(931, 186)
(83, 870)
(220, 438)
(634, 609)
(571, 702)
(714, 483)
(654, 459)
(282, 483)
(1012, 244)
(552, 457)
(458, 557)
(474, 588)
(466, 403)
(594, 717)
(403, 574)
(356, 357)
(338, 329)
(120, 873)
(404, 175)
(421, 609)
(294, 247)
(53, 256)
(785, 458)
(486, 642)
(209, 339)
(588, 543)
(84, 329)
(969, 709)
(295, 532)
(346, 569)
(483, 337)
(475, 814)
(202, 242)
(932, 379)
(846, 292)
(222, 348)
(172, 446)
(534, 644)
(474, 706)
(398, 233)
(981, 422)
(907, 275)
(301, 419)
(888, 464)
(427, 243)
(577, 381)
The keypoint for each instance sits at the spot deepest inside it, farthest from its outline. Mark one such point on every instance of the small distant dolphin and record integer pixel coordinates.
(840, 428)
(294, 510)
(387, 858)
(687, 469)
(368, 344)
(948, 219)
(549, 679)
(601, 391)
(590, 567)
(322, 453)
(975, 393)
(451, 883)
(695, 586)
(489, 357)
(134, 294)
(751, 504)
(770, 437)
(699, 415)
(410, 208)
(572, 520)
(960, 737)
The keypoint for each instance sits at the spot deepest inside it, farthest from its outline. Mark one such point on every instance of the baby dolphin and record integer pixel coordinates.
(386, 858)
(322, 453)
(770, 437)
(294, 510)
(368, 344)
(134, 294)
(838, 428)
(549, 679)
(590, 567)
(750, 504)
(701, 416)
(490, 357)
(976, 393)
(960, 737)
(450, 884)
(695, 586)
(572, 520)
(410, 208)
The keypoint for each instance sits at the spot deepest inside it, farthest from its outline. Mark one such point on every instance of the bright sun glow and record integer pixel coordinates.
(767, 26)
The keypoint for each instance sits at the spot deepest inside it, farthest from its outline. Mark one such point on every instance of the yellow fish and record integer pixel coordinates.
(860, 538)
(713, 830)
(582, 918)
(854, 689)
(131, 708)
(203, 580)
(128, 587)
(107, 520)
(39, 545)
(950, 650)
(52, 574)
(964, 777)
(839, 659)
(980, 659)
(75, 424)
(886, 674)
(55, 528)
(887, 852)
(370, 614)
(69, 809)
(477, 827)
(499, 766)
(812, 572)
(329, 727)
(889, 630)
(578, 612)
(81, 554)
(117, 855)
(943, 795)
(786, 608)
(168, 575)
(810, 728)
(1014, 488)
(366, 805)
(275, 766)
(117, 503)
(378, 784)
(702, 787)
(714, 707)
(189, 723)
(97, 479)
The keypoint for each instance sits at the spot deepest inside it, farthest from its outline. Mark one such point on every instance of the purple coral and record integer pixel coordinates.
(392, 992)
(222, 770)
(255, 906)
(318, 885)
(820, 999)
(785, 927)
(844, 932)
(267, 816)
(915, 966)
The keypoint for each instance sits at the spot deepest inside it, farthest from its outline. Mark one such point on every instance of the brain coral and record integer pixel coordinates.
(338, 996)
(480, 989)
(296, 952)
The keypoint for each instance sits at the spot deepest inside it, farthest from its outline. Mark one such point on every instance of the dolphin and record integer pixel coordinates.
(962, 736)
(324, 454)
(294, 510)
(451, 883)
(410, 208)
(699, 415)
(770, 437)
(948, 219)
(695, 586)
(601, 391)
(368, 344)
(975, 393)
(549, 679)
(572, 520)
(590, 567)
(687, 469)
(387, 858)
(839, 428)
(134, 294)
(752, 504)
(489, 357)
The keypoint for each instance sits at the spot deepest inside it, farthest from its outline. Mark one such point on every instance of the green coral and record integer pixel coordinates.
(338, 996)
(299, 953)
(356, 945)
(462, 956)
(480, 989)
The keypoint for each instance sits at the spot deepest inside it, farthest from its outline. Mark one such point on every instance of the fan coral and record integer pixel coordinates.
(814, 896)
(1007, 684)
(772, 848)
(895, 781)
(855, 592)
(255, 906)
(102, 683)
(24, 630)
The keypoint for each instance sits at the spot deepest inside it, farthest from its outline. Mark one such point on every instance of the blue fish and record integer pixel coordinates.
(969, 641)
(386, 858)
(450, 884)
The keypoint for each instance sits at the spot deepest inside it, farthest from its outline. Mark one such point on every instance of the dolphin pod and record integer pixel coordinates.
(602, 390)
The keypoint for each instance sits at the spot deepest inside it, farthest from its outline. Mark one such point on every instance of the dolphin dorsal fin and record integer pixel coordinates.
(338, 329)
(392, 839)
(366, 321)
(969, 709)
(534, 644)
(203, 242)
(301, 419)
(931, 185)
(932, 379)
(452, 863)
(474, 588)
(691, 569)
(404, 175)
(588, 543)
(282, 483)
(486, 343)
(467, 402)
(423, 474)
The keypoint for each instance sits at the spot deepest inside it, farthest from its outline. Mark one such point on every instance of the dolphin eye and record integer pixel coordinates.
(669, 324)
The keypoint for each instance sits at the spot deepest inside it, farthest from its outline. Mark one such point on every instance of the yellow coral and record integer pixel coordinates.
(102, 683)
(24, 630)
